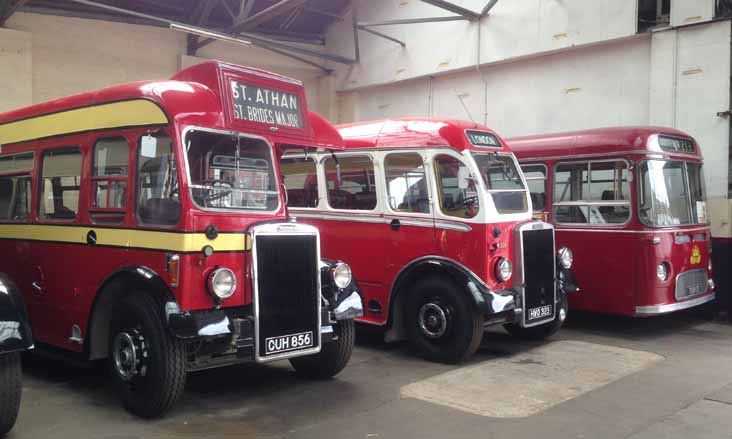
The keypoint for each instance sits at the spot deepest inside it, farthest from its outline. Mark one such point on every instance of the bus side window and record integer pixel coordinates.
(406, 183)
(15, 198)
(351, 183)
(300, 178)
(60, 182)
(109, 180)
(455, 187)
(536, 180)
(158, 196)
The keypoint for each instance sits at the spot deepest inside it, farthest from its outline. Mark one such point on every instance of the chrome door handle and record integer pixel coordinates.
(37, 286)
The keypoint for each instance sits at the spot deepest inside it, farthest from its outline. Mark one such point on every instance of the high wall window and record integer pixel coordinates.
(456, 187)
(158, 195)
(653, 14)
(535, 176)
(60, 181)
(592, 193)
(109, 180)
(406, 183)
(300, 178)
(351, 183)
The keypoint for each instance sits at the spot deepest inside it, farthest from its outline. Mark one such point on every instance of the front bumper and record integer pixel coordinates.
(654, 310)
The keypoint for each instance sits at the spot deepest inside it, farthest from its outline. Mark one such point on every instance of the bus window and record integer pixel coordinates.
(351, 183)
(109, 180)
(535, 176)
(15, 198)
(300, 178)
(592, 193)
(60, 178)
(666, 198)
(456, 188)
(406, 183)
(158, 200)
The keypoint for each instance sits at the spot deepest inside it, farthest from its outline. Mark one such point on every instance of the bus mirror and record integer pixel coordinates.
(463, 178)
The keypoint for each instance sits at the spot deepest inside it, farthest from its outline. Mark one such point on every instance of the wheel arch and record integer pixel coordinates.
(13, 312)
(113, 289)
(417, 269)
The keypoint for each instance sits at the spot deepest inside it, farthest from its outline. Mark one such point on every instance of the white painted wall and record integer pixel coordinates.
(46, 57)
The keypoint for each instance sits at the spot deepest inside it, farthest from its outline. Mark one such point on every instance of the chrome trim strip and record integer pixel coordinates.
(260, 74)
(452, 226)
(642, 232)
(652, 310)
(338, 217)
(285, 229)
(604, 154)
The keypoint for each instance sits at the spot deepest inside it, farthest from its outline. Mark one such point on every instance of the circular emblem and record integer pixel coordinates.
(91, 237)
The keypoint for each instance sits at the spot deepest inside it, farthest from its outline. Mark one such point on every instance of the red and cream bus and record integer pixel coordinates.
(435, 219)
(631, 204)
(145, 223)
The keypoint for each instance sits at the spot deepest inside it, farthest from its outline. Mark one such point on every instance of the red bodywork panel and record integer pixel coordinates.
(73, 274)
(615, 265)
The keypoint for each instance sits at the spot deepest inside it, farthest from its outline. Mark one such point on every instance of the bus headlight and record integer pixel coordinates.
(709, 266)
(341, 275)
(504, 269)
(222, 283)
(565, 257)
(662, 271)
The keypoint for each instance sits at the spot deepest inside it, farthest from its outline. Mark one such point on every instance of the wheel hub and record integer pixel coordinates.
(432, 320)
(128, 353)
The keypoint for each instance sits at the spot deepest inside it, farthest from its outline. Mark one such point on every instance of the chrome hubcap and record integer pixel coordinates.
(432, 320)
(128, 352)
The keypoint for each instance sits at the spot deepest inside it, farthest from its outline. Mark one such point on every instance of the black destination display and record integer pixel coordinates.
(264, 105)
(483, 139)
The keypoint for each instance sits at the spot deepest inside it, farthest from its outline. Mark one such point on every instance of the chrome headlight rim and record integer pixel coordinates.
(566, 257)
(662, 271)
(503, 269)
(213, 289)
(341, 275)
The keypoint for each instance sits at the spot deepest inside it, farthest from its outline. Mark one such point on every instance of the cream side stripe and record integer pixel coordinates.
(135, 112)
(176, 242)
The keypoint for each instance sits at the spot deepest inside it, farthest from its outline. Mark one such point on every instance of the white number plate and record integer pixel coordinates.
(285, 343)
(540, 312)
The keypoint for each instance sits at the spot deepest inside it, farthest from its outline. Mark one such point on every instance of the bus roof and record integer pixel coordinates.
(602, 141)
(198, 95)
(417, 132)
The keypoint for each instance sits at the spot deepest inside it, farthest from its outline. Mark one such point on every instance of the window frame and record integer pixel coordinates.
(136, 200)
(94, 179)
(427, 177)
(377, 190)
(546, 184)
(315, 161)
(481, 191)
(40, 187)
(579, 203)
(21, 174)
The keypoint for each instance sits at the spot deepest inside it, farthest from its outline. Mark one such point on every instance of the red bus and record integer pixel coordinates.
(435, 219)
(145, 223)
(631, 204)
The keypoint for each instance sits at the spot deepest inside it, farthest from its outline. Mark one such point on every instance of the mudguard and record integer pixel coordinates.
(15, 332)
(345, 303)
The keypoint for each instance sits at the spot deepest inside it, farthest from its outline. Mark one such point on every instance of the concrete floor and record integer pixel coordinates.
(683, 391)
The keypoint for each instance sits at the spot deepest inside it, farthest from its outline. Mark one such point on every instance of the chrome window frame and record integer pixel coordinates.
(273, 160)
(425, 168)
(371, 156)
(589, 162)
(316, 159)
(545, 179)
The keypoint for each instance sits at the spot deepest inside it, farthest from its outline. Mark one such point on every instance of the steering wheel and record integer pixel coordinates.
(469, 201)
(222, 189)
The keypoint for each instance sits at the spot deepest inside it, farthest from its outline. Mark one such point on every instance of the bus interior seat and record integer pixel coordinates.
(608, 196)
(339, 199)
(302, 197)
(538, 200)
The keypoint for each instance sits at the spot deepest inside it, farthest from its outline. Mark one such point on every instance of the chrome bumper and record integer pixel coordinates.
(653, 310)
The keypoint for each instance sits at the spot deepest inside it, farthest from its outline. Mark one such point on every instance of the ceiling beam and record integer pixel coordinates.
(8, 8)
(261, 17)
(317, 11)
(115, 18)
(410, 21)
(379, 34)
(488, 7)
(455, 9)
(201, 14)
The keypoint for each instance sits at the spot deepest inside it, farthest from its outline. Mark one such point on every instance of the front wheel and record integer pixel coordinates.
(541, 332)
(442, 324)
(147, 363)
(11, 387)
(333, 356)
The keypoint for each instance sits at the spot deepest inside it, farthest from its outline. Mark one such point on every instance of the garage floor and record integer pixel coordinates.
(601, 377)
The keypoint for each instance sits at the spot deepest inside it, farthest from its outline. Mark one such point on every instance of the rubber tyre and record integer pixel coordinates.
(464, 330)
(542, 331)
(153, 394)
(332, 358)
(11, 388)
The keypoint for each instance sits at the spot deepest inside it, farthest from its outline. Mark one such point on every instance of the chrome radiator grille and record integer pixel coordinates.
(691, 283)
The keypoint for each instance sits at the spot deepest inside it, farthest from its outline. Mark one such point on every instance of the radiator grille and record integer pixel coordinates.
(691, 283)
(538, 267)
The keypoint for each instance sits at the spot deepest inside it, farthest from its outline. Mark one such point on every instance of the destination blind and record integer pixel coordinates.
(264, 105)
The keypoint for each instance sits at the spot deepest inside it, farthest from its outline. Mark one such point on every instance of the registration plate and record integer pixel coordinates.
(286, 343)
(540, 312)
